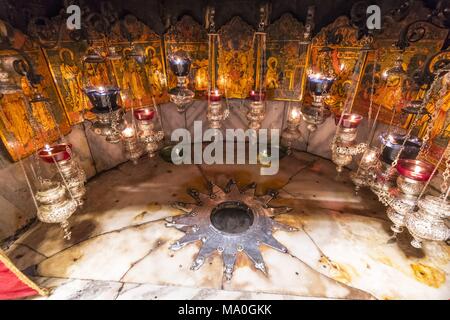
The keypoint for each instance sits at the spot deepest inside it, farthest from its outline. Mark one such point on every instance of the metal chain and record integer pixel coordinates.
(347, 103)
(446, 153)
(424, 149)
(416, 119)
(446, 173)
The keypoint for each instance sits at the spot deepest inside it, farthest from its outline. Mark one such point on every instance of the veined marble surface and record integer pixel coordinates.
(120, 244)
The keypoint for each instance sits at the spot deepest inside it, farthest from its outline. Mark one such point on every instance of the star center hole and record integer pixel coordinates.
(232, 217)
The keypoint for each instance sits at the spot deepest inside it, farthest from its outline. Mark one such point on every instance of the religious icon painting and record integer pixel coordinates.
(24, 126)
(139, 68)
(236, 58)
(392, 93)
(286, 59)
(189, 37)
(335, 51)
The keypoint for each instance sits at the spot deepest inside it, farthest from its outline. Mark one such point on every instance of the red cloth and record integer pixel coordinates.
(13, 283)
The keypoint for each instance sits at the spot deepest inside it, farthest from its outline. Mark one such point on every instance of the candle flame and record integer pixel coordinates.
(128, 132)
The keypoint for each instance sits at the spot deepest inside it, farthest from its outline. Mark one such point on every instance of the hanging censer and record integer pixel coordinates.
(54, 200)
(343, 146)
(429, 222)
(146, 130)
(291, 133)
(61, 156)
(103, 95)
(412, 175)
(181, 95)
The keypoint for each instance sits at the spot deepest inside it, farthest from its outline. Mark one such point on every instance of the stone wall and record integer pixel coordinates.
(96, 155)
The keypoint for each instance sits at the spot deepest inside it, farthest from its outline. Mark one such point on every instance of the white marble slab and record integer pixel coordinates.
(340, 251)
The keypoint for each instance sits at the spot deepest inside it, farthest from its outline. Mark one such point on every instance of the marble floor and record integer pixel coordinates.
(120, 244)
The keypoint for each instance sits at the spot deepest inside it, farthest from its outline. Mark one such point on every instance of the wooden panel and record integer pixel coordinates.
(286, 59)
(342, 38)
(189, 36)
(389, 95)
(236, 58)
(15, 128)
(139, 82)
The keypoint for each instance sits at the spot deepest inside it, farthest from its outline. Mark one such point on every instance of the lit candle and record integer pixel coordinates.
(349, 121)
(215, 95)
(128, 132)
(144, 114)
(58, 152)
(295, 114)
(257, 95)
(417, 170)
(47, 148)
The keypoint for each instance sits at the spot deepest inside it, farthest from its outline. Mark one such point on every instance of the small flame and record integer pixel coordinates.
(295, 114)
(128, 132)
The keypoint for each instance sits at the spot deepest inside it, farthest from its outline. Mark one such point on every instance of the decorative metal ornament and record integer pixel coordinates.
(394, 142)
(73, 176)
(412, 177)
(146, 133)
(428, 223)
(55, 206)
(319, 87)
(291, 133)
(343, 147)
(109, 115)
(256, 112)
(367, 169)
(181, 96)
(216, 113)
(229, 221)
(133, 150)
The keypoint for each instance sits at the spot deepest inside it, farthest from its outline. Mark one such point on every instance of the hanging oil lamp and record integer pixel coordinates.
(103, 97)
(317, 112)
(291, 132)
(216, 113)
(133, 150)
(109, 115)
(146, 133)
(257, 110)
(74, 177)
(55, 206)
(343, 147)
(412, 175)
(367, 169)
(394, 146)
(180, 65)
(429, 222)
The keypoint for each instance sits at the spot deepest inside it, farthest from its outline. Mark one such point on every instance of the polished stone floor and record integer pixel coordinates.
(120, 244)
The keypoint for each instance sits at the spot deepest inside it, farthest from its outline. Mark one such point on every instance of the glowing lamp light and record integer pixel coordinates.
(145, 114)
(295, 114)
(416, 170)
(349, 120)
(128, 132)
(257, 95)
(56, 153)
(215, 95)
